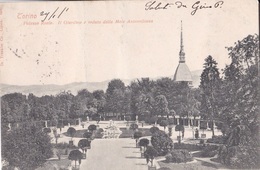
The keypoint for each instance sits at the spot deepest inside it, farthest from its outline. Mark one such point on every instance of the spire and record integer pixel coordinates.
(182, 54)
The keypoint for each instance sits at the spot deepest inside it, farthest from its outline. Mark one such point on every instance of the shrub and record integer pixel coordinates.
(71, 132)
(46, 130)
(75, 155)
(91, 128)
(246, 157)
(168, 158)
(154, 129)
(160, 119)
(133, 126)
(150, 153)
(241, 150)
(181, 155)
(161, 142)
(164, 123)
(210, 151)
(144, 142)
(87, 135)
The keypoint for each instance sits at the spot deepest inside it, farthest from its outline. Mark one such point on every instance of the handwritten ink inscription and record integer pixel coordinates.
(57, 13)
(198, 5)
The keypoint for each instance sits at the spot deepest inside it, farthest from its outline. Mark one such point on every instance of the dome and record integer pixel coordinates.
(182, 73)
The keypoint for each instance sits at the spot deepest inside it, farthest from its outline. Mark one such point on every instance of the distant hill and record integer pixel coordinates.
(52, 89)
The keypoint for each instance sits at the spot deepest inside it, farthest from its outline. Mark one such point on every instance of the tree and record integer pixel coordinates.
(154, 129)
(87, 135)
(240, 85)
(75, 155)
(134, 126)
(26, 147)
(144, 142)
(91, 128)
(161, 142)
(161, 106)
(71, 132)
(115, 96)
(83, 144)
(96, 117)
(46, 130)
(179, 128)
(240, 105)
(210, 83)
(164, 123)
(150, 154)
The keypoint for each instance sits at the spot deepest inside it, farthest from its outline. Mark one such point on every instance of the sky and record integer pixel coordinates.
(61, 53)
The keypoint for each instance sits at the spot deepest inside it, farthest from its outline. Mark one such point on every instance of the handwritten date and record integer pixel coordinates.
(57, 13)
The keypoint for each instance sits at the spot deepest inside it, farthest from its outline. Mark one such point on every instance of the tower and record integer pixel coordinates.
(182, 73)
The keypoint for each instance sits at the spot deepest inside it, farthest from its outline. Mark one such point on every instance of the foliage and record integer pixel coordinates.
(239, 156)
(179, 156)
(83, 143)
(46, 130)
(154, 129)
(96, 117)
(71, 131)
(161, 142)
(144, 142)
(75, 155)
(133, 126)
(152, 120)
(164, 123)
(87, 135)
(179, 128)
(115, 94)
(91, 128)
(210, 151)
(26, 147)
(150, 153)
(210, 85)
(161, 106)
(241, 149)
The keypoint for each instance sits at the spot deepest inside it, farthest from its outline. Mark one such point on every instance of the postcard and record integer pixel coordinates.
(87, 84)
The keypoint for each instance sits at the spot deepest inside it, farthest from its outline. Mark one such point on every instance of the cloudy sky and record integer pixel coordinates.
(62, 53)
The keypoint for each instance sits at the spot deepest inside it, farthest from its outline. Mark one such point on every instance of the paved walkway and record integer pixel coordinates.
(116, 154)
(113, 154)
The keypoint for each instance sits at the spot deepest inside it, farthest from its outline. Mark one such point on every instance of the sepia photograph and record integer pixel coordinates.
(129, 85)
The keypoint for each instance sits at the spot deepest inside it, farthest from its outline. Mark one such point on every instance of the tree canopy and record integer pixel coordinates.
(26, 147)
